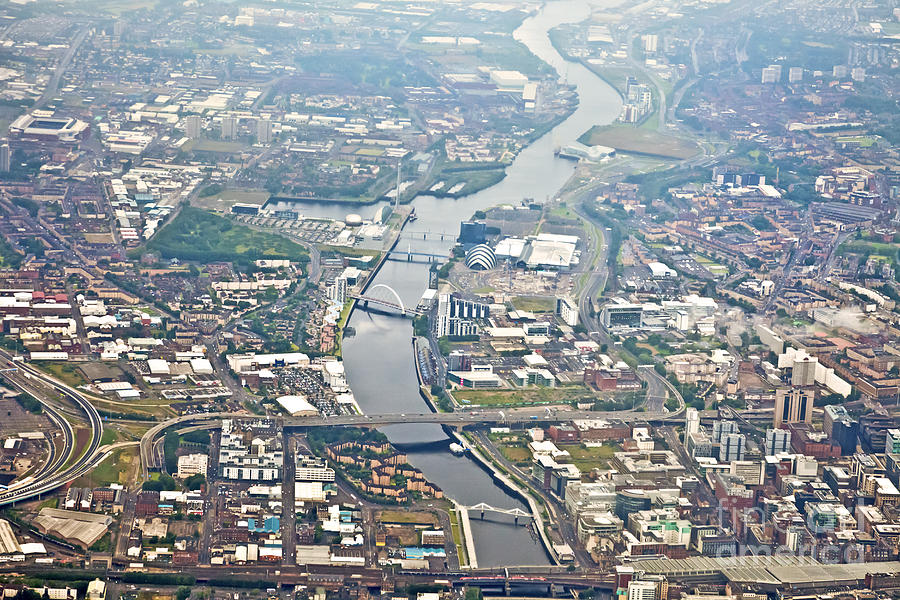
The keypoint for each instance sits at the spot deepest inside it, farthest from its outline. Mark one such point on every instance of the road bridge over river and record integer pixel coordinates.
(459, 420)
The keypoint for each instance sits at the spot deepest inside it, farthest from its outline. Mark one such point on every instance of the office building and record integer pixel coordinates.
(771, 74)
(837, 478)
(337, 292)
(5, 158)
(892, 441)
(567, 310)
(841, 428)
(795, 74)
(642, 590)
(731, 447)
(251, 450)
(858, 74)
(456, 316)
(833, 413)
(803, 371)
(229, 128)
(750, 471)
(192, 464)
(845, 434)
(721, 429)
(459, 360)
(793, 405)
(192, 126)
(264, 133)
(873, 430)
(472, 232)
(778, 441)
(312, 468)
(691, 422)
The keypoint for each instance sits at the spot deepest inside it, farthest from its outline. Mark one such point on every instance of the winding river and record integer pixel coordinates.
(379, 358)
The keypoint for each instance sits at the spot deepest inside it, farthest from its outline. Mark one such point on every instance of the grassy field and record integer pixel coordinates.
(50, 503)
(119, 467)
(82, 438)
(99, 238)
(403, 516)
(868, 247)
(515, 454)
(617, 75)
(634, 140)
(456, 530)
(201, 236)
(537, 304)
(146, 405)
(119, 7)
(350, 251)
(590, 457)
(68, 373)
(524, 397)
(8, 256)
(475, 180)
(563, 212)
(864, 141)
(218, 146)
(242, 50)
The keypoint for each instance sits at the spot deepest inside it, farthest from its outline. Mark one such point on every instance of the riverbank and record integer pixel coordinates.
(374, 273)
(504, 480)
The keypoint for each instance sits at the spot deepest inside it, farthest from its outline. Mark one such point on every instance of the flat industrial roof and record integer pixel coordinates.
(774, 570)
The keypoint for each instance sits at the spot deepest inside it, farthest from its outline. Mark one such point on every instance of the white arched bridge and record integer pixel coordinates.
(483, 507)
(386, 296)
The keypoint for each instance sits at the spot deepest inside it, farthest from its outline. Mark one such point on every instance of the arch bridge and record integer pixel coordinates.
(386, 296)
(483, 507)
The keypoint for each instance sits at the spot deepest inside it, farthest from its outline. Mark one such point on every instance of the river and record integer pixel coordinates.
(379, 358)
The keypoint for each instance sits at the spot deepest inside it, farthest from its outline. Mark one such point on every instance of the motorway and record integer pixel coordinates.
(149, 458)
(52, 475)
(53, 85)
(658, 387)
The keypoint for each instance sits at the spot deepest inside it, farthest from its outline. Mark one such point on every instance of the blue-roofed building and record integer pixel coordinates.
(269, 525)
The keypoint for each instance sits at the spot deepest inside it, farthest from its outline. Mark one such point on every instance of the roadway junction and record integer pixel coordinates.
(62, 466)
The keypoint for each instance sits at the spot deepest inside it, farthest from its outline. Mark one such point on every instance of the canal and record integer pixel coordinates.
(379, 357)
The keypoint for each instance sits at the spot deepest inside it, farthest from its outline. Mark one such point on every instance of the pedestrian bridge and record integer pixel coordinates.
(483, 508)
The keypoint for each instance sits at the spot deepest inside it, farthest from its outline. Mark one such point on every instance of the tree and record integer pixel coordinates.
(474, 593)
(195, 482)
(165, 482)
(183, 593)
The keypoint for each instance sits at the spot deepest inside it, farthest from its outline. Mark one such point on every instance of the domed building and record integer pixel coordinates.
(481, 258)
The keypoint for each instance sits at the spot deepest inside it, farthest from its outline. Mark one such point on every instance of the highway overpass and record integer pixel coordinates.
(150, 459)
(52, 475)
